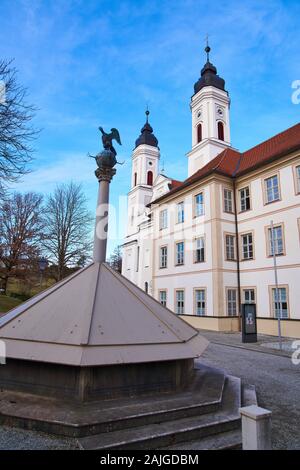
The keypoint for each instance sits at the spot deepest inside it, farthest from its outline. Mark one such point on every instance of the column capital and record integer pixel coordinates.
(105, 174)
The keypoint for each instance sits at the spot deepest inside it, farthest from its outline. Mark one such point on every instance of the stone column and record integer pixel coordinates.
(104, 176)
(256, 428)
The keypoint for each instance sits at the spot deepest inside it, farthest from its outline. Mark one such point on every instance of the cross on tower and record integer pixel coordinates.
(207, 48)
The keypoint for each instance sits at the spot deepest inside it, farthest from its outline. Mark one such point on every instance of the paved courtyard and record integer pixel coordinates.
(276, 379)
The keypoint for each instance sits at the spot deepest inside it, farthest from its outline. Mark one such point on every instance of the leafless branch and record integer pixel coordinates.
(67, 237)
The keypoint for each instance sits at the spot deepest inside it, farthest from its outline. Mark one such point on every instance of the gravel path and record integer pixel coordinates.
(20, 439)
(277, 383)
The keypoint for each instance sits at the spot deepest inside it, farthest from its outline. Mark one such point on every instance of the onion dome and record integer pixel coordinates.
(209, 76)
(147, 137)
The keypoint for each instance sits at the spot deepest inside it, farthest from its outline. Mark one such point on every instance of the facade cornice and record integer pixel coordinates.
(131, 242)
(210, 92)
(144, 148)
(140, 186)
(215, 176)
(218, 143)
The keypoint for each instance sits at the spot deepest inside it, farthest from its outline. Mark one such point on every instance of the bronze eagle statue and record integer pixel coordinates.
(108, 138)
(107, 157)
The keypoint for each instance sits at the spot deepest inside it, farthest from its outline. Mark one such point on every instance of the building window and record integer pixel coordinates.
(230, 247)
(135, 179)
(298, 178)
(163, 219)
(146, 287)
(220, 130)
(200, 250)
(137, 258)
(247, 246)
(279, 302)
(199, 133)
(179, 307)
(200, 302)
(163, 297)
(272, 189)
(249, 296)
(180, 253)
(275, 241)
(199, 205)
(228, 203)
(245, 199)
(180, 212)
(163, 257)
(150, 178)
(231, 302)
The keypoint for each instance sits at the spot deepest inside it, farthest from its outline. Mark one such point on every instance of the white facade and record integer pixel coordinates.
(209, 107)
(193, 250)
(145, 160)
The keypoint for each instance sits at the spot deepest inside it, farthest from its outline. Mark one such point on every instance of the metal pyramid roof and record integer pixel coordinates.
(97, 317)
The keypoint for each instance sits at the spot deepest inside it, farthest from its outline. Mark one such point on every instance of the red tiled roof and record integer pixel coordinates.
(279, 145)
(233, 164)
(175, 184)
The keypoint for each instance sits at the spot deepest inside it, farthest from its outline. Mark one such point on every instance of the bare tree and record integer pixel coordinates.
(16, 131)
(115, 259)
(68, 227)
(21, 226)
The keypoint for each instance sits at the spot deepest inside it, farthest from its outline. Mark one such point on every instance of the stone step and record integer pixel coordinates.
(168, 433)
(203, 395)
(230, 440)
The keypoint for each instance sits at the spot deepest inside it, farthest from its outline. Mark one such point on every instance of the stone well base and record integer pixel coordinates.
(92, 383)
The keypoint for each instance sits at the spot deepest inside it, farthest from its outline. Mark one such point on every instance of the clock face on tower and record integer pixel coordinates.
(220, 112)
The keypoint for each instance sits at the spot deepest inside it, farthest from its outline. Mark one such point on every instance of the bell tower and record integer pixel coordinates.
(210, 117)
(145, 166)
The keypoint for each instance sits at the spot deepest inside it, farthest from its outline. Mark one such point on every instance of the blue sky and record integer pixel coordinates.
(95, 62)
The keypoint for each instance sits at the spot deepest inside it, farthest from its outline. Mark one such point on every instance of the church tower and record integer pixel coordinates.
(210, 117)
(145, 166)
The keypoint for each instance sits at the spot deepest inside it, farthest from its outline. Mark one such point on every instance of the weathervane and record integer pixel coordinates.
(207, 48)
(147, 112)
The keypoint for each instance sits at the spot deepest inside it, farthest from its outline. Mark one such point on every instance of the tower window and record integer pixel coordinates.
(199, 133)
(150, 178)
(220, 130)
(146, 287)
(135, 179)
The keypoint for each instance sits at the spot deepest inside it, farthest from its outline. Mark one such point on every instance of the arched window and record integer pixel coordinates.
(220, 130)
(150, 178)
(146, 287)
(199, 133)
(135, 179)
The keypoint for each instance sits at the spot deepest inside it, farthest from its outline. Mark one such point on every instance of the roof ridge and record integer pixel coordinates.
(165, 322)
(224, 152)
(271, 138)
(21, 308)
(87, 333)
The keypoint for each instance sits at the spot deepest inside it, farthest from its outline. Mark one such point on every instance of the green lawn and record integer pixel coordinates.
(7, 303)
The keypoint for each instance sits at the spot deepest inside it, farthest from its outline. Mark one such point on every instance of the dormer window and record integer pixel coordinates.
(199, 133)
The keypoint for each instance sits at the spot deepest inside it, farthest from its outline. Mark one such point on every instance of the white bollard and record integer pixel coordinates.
(256, 428)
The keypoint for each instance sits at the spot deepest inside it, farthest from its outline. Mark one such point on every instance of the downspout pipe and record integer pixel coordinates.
(237, 255)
